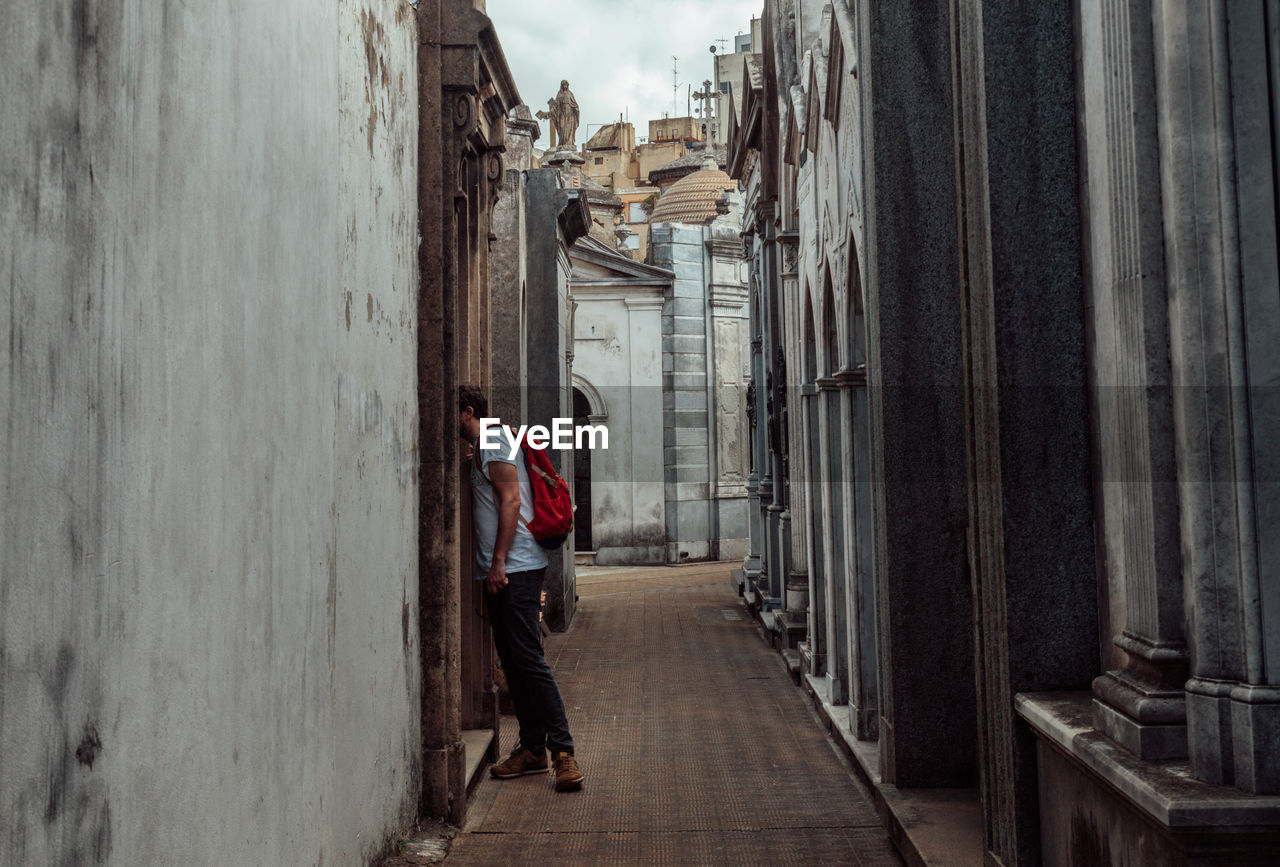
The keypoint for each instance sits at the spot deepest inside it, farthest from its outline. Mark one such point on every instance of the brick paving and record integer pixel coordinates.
(698, 748)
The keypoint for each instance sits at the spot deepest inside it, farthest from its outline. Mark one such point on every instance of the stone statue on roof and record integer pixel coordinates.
(565, 116)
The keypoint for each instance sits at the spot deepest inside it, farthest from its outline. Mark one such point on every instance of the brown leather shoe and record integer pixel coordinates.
(519, 763)
(568, 776)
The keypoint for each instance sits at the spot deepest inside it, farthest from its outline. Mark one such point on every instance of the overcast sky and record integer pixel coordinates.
(615, 54)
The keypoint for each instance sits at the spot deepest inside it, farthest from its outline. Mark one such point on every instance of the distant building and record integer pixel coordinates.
(659, 352)
(728, 79)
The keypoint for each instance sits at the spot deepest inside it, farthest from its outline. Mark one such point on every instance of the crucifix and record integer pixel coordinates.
(704, 98)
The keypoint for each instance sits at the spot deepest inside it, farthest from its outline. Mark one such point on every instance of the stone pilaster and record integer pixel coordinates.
(860, 577)
(794, 469)
(1031, 542)
(1139, 703)
(772, 486)
(919, 506)
(830, 484)
(809, 453)
(1220, 243)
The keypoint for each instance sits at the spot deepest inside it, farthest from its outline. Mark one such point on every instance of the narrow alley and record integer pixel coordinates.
(875, 405)
(696, 745)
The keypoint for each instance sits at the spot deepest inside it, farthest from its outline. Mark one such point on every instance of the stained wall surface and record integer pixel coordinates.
(208, 606)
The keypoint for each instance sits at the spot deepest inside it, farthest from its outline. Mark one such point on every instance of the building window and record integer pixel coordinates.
(599, 161)
(633, 242)
(636, 213)
(724, 87)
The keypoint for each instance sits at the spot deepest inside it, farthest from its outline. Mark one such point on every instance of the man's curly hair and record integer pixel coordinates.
(472, 396)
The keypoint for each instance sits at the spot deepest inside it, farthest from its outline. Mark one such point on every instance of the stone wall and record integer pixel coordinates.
(704, 337)
(1038, 245)
(208, 613)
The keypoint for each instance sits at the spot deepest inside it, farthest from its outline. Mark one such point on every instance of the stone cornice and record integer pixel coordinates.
(851, 378)
(652, 302)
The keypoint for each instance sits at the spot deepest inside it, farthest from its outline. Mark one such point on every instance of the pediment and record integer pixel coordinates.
(594, 262)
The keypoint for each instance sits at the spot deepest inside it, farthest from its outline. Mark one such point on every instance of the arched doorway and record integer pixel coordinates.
(581, 478)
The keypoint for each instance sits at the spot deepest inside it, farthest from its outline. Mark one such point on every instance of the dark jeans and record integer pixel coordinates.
(517, 635)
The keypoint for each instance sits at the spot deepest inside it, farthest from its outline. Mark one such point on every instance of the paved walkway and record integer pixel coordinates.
(697, 747)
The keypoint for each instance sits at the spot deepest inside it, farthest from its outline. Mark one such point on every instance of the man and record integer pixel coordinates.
(512, 566)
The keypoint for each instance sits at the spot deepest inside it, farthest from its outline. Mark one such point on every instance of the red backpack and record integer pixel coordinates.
(552, 506)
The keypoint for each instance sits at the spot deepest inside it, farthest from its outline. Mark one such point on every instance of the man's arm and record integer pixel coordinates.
(506, 490)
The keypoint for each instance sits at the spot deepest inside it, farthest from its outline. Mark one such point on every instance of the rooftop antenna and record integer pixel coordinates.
(675, 85)
(724, 43)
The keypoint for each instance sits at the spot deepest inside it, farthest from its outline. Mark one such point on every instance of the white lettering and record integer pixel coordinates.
(589, 432)
(539, 437)
(489, 433)
(516, 437)
(562, 434)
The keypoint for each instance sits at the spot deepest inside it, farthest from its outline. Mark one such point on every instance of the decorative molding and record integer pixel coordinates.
(595, 400)
(851, 378)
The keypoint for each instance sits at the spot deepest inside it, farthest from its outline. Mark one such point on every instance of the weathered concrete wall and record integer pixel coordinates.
(207, 617)
(617, 349)
(376, 680)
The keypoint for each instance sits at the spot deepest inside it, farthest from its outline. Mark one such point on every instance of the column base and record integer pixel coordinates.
(1255, 731)
(797, 591)
(1151, 724)
(1209, 739)
(1148, 742)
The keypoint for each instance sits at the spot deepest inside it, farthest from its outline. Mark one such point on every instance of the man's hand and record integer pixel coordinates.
(497, 577)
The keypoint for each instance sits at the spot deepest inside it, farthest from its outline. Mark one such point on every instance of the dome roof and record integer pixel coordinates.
(693, 198)
(695, 159)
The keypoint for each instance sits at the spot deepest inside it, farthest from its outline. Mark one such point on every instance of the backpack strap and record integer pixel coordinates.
(475, 460)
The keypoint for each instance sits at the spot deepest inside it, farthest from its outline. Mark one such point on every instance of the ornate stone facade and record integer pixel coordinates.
(1013, 326)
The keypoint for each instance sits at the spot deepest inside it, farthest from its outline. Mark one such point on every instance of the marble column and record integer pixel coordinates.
(1139, 703)
(810, 454)
(1031, 521)
(917, 403)
(774, 585)
(1220, 240)
(794, 463)
(860, 590)
(753, 564)
(834, 562)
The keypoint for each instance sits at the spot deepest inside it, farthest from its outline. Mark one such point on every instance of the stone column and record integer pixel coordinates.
(834, 563)
(797, 579)
(1139, 704)
(1220, 243)
(809, 453)
(928, 715)
(860, 592)
(753, 565)
(556, 217)
(507, 278)
(1031, 542)
(772, 485)
(463, 76)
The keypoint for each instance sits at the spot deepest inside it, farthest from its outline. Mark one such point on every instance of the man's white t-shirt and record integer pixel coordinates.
(525, 553)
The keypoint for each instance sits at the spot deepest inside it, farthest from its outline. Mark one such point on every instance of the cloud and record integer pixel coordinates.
(616, 56)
